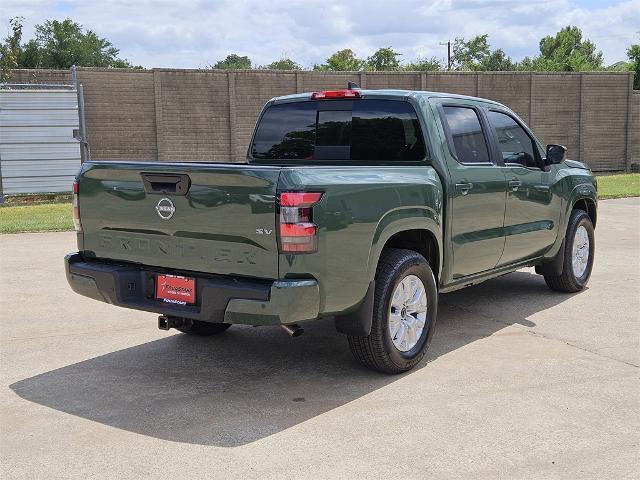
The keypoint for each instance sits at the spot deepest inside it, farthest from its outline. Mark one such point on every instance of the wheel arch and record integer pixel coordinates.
(588, 205)
(407, 230)
(422, 234)
(420, 240)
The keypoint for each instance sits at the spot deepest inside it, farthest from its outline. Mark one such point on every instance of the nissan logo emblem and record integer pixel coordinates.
(165, 208)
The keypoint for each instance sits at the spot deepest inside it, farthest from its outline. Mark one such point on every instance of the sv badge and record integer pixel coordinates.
(264, 231)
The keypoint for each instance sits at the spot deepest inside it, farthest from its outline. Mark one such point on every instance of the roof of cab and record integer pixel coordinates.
(387, 93)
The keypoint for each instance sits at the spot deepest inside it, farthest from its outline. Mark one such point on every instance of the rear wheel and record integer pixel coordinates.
(579, 245)
(404, 313)
(204, 329)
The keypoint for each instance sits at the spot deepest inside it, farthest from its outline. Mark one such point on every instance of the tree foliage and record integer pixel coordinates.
(283, 64)
(63, 44)
(424, 65)
(566, 51)
(466, 54)
(10, 49)
(341, 61)
(383, 60)
(233, 62)
(633, 54)
(496, 61)
(476, 55)
(59, 44)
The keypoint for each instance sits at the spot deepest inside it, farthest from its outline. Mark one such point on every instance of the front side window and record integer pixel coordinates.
(514, 143)
(469, 144)
(361, 130)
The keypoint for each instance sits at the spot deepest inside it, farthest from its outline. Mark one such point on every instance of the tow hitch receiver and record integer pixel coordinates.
(166, 323)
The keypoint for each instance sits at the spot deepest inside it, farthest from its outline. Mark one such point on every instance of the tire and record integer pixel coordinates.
(378, 350)
(204, 329)
(575, 274)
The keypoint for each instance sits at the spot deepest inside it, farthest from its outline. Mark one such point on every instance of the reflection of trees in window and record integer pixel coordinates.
(334, 133)
(515, 145)
(376, 130)
(468, 139)
(294, 145)
(471, 147)
(384, 138)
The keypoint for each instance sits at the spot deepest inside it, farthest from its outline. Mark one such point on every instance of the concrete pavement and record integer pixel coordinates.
(520, 382)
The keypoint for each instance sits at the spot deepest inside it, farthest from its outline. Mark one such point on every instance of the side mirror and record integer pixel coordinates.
(556, 154)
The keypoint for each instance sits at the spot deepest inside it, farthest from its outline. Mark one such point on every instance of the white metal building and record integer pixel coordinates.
(38, 151)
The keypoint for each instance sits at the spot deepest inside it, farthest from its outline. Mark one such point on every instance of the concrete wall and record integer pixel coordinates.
(208, 115)
(120, 113)
(41, 76)
(634, 132)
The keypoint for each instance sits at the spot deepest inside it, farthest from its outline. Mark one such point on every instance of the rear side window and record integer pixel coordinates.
(362, 130)
(286, 131)
(469, 143)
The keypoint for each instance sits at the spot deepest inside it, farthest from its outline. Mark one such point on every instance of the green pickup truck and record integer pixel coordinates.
(362, 205)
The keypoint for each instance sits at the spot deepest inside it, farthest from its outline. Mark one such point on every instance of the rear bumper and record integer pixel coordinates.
(219, 298)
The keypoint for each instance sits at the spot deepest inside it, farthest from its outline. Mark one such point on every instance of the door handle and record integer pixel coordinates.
(166, 183)
(515, 184)
(464, 188)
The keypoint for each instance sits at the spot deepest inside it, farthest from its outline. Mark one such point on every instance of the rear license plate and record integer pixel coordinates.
(176, 289)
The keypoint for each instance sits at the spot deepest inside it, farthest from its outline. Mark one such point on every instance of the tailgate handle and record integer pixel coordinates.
(166, 183)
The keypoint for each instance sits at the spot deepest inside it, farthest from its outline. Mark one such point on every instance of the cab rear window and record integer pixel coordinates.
(359, 130)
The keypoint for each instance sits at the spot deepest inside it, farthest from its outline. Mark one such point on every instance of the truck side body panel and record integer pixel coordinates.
(361, 209)
(512, 226)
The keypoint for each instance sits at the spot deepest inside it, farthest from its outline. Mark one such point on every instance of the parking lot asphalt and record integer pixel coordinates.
(520, 382)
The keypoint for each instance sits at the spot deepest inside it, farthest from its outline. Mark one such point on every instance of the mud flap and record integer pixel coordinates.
(555, 266)
(359, 321)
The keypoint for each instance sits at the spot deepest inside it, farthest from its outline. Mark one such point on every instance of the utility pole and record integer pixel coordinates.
(448, 44)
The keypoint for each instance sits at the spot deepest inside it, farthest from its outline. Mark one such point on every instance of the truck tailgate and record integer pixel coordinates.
(223, 224)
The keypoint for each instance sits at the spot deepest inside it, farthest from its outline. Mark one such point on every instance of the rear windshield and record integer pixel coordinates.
(365, 130)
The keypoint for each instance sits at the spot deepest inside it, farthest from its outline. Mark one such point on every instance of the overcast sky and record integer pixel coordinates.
(195, 34)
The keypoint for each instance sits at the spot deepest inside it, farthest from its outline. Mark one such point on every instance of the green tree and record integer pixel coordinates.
(233, 62)
(61, 44)
(31, 55)
(424, 65)
(467, 54)
(283, 64)
(526, 64)
(496, 61)
(383, 60)
(476, 55)
(566, 51)
(633, 53)
(341, 61)
(10, 50)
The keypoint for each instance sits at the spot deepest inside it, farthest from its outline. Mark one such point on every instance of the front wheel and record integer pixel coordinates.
(579, 249)
(404, 313)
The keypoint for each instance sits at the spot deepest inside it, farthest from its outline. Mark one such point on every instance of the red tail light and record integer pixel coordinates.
(299, 199)
(76, 207)
(298, 234)
(335, 94)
